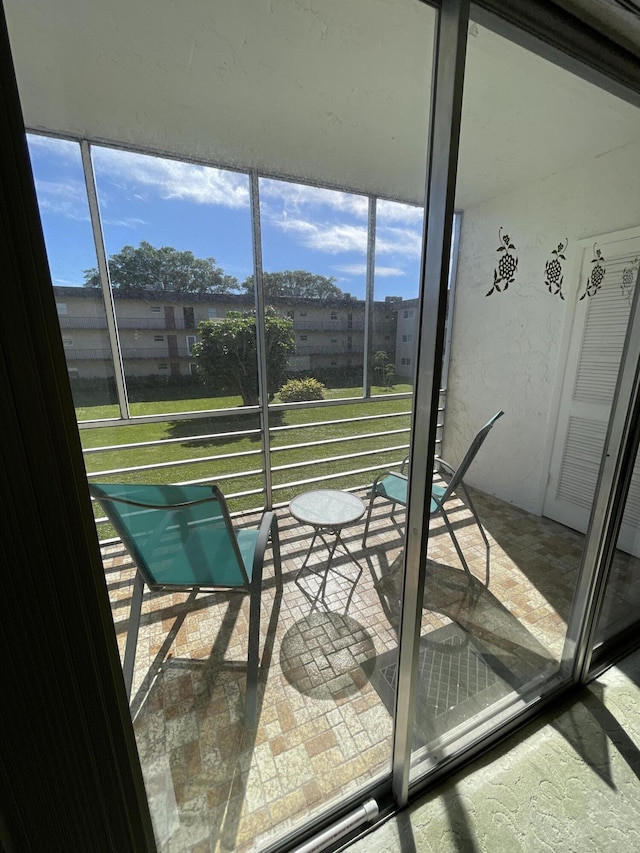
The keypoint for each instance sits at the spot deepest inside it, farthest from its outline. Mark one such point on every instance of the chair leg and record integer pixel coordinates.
(277, 558)
(132, 633)
(368, 519)
(454, 539)
(251, 701)
(482, 533)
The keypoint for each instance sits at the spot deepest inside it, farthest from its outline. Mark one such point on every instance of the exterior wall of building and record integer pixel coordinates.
(508, 349)
(157, 330)
(405, 338)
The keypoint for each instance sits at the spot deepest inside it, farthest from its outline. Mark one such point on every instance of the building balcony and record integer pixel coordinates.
(329, 325)
(330, 349)
(128, 353)
(141, 323)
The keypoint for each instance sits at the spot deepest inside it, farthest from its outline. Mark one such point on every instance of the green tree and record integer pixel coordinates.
(145, 267)
(226, 355)
(384, 369)
(295, 283)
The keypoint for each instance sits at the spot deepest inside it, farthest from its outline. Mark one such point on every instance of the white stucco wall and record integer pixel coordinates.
(507, 348)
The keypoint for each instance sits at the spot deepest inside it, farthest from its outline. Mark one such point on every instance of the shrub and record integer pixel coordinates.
(301, 390)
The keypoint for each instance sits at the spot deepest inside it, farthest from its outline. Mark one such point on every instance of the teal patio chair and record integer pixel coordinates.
(392, 486)
(181, 538)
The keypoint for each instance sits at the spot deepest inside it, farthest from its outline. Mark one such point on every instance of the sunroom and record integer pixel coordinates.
(455, 278)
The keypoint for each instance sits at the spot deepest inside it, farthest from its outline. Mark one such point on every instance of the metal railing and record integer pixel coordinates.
(154, 323)
(328, 325)
(293, 465)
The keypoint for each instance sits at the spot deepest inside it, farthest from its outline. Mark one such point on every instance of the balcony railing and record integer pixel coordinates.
(155, 353)
(82, 322)
(142, 323)
(329, 325)
(161, 353)
(349, 459)
(330, 349)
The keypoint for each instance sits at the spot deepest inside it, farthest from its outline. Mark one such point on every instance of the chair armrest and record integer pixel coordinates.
(441, 463)
(268, 524)
(405, 462)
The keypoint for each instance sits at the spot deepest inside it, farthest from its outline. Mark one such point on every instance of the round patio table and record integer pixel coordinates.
(327, 511)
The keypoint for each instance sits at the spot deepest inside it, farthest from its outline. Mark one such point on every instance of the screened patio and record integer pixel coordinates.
(298, 130)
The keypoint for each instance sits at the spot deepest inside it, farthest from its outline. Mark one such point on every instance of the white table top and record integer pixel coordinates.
(327, 508)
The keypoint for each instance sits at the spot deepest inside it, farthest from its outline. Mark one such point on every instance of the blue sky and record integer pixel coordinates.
(206, 210)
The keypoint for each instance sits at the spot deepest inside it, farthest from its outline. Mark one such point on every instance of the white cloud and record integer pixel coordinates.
(399, 241)
(351, 269)
(294, 208)
(324, 237)
(130, 222)
(296, 197)
(361, 269)
(63, 198)
(62, 148)
(393, 211)
(172, 179)
(387, 272)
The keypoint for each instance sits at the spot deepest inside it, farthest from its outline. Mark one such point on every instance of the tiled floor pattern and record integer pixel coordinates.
(323, 730)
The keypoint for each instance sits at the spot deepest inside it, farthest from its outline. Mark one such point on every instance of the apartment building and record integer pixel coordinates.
(157, 330)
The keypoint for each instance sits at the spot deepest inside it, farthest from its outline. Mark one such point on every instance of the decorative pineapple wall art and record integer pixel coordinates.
(505, 271)
(629, 277)
(553, 272)
(596, 275)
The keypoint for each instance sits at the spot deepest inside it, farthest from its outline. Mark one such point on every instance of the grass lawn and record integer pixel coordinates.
(210, 454)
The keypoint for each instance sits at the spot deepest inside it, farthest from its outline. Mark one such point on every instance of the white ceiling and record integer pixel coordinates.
(321, 90)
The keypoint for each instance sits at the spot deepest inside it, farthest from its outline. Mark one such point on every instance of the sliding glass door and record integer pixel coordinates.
(271, 173)
(548, 259)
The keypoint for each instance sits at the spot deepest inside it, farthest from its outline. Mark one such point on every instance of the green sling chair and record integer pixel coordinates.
(392, 486)
(182, 538)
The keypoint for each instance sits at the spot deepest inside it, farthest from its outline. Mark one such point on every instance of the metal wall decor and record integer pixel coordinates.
(596, 275)
(505, 270)
(629, 277)
(553, 272)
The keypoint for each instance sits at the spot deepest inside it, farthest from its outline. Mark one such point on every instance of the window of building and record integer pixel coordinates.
(191, 339)
(155, 309)
(407, 338)
(67, 342)
(212, 313)
(303, 337)
(408, 314)
(334, 315)
(158, 338)
(162, 367)
(189, 317)
(62, 309)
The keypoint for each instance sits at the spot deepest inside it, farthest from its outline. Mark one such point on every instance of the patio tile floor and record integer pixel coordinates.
(323, 730)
